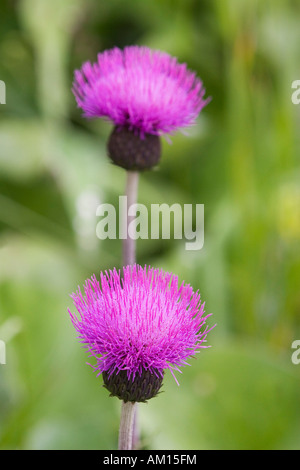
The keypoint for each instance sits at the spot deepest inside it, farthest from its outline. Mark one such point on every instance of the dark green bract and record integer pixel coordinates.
(141, 389)
(132, 152)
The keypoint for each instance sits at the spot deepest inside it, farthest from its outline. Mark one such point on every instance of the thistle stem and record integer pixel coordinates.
(129, 244)
(129, 257)
(126, 426)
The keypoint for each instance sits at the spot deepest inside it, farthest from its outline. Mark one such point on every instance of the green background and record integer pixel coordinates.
(241, 161)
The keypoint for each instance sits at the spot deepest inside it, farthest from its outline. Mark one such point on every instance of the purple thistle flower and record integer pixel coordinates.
(145, 93)
(139, 325)
(142, 89)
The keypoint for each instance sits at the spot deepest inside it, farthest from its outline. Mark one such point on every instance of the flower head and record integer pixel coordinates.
(145, 90)
(145, 93)
(137, 326)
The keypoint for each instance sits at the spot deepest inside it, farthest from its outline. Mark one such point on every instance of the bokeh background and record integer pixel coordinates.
(241, 161)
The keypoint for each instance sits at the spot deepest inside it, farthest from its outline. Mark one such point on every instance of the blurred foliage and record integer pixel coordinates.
(241, 161)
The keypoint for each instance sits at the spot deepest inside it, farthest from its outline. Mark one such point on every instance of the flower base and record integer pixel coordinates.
(132, 152)
(141, 389)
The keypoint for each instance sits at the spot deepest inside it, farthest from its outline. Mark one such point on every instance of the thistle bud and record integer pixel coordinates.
(131, 151)
(140, 389)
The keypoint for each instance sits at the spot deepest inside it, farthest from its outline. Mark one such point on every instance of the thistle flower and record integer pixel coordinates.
(137, 326)
(145, 93)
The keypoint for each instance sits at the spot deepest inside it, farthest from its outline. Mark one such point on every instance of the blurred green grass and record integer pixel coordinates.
(241, 161)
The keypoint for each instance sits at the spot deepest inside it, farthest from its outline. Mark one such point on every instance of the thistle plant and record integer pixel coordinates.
(137, 326)
(138, 322)
(144, 93)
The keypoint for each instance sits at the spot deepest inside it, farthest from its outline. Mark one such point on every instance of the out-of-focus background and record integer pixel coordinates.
(241, 161)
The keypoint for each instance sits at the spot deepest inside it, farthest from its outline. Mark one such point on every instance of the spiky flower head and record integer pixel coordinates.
(137, 324)
(143, 92)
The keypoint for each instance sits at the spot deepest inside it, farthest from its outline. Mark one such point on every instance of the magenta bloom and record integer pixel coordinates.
(142, 321)
(144, 90)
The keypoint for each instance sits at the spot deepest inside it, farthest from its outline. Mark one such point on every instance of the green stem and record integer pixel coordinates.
(129, 258)
(129, 244)
(126, 426)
